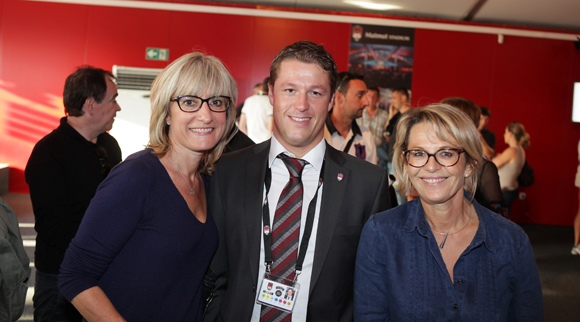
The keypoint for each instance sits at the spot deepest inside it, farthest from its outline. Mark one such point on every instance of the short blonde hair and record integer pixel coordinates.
(449, 123)
(190, 74)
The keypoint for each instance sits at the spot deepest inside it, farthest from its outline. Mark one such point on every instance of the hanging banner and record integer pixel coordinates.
(384, 56)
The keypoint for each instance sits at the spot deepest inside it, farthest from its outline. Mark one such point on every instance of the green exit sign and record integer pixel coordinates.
(156, 53)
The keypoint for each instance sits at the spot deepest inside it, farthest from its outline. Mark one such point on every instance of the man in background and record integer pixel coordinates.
(341, 131)
(399, 105)
(257, 90)
(14, 266)
(256, 120)
(488, 136)
(375, 119)
(63, 173)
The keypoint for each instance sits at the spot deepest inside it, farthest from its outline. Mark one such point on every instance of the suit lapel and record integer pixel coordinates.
(333, 192)
(255, 171)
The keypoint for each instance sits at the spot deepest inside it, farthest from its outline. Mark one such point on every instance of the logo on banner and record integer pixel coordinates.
(357, 33)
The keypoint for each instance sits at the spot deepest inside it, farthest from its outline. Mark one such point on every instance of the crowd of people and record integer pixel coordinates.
(205, 225)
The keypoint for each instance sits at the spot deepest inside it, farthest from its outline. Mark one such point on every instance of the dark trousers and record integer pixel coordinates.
(49, 304)
(509, 197)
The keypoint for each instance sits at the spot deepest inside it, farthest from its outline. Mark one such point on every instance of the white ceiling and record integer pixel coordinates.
(558, 14)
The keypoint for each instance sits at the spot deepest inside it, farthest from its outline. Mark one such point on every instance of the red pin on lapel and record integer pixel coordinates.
(339, 177)
(267, 230)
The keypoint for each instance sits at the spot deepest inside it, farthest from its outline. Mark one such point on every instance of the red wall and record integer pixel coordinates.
(524, 79)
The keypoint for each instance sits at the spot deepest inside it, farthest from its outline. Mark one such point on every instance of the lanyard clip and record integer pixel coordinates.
(296, 273)
(268, 267)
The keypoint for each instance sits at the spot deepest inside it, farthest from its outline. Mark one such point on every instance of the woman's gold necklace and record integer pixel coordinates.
(447, 234)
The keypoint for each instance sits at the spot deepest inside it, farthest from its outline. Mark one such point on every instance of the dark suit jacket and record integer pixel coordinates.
(238, 140)
(236, 204)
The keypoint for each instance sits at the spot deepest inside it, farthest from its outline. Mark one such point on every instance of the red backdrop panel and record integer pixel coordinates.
(452, 64)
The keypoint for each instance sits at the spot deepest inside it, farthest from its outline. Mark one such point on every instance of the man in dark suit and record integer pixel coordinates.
(340, 193)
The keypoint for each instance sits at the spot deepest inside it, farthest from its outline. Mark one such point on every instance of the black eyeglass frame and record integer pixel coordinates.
(177, 98)
(434, 155)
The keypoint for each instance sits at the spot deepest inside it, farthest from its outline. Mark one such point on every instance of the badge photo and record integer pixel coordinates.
(278, 293)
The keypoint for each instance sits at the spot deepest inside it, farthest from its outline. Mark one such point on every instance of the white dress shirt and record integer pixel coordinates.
(280, 177)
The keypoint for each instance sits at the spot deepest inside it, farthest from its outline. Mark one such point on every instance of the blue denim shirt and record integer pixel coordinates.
(400, 274)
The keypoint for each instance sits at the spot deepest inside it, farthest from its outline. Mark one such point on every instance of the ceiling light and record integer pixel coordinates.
(372, 5)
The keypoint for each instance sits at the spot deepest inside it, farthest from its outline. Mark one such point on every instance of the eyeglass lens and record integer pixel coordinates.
(446, 157)
(193, 103)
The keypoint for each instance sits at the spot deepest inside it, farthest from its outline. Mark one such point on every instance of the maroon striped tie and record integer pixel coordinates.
(285, 233)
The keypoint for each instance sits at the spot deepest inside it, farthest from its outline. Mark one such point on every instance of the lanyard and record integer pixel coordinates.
(307, 228)
(349, 143)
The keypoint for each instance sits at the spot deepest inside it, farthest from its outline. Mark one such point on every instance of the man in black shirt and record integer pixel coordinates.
(400, 101)
(488, 135)
(63, 173)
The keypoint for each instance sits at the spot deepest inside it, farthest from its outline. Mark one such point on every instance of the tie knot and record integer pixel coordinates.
(295, 166)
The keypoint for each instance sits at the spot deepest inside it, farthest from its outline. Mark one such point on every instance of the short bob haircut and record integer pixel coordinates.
(449, 123)
(191, 74)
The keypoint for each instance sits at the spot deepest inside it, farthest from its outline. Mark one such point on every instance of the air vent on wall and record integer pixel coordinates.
(134, 77)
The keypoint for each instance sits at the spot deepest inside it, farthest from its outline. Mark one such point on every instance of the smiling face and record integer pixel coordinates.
(434, 183)
(301, 98)
(197, 131)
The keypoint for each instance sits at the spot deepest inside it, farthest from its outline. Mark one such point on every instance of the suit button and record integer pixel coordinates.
(460, 281)
(254, 289)
(455, 306)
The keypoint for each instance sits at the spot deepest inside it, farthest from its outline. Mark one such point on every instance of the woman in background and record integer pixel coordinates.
(147, 238)
(511, 161)
(443, 257)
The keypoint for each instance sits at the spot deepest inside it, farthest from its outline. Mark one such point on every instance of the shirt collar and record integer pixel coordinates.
(74, 133)
(315, 156)
(417, 220)
(332, 129)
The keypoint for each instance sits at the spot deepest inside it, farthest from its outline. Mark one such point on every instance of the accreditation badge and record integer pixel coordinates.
(278, 292)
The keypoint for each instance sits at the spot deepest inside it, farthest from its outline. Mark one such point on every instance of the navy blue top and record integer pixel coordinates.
(400, 274)
(141, 244)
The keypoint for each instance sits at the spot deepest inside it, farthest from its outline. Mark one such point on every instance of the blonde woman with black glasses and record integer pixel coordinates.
(148, 237)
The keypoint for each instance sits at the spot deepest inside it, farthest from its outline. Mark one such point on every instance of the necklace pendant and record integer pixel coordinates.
(191, 192)
(443, 242)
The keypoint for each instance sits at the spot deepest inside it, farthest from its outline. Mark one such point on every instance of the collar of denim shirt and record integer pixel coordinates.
(416, 220)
